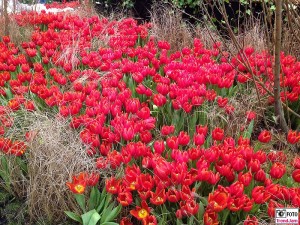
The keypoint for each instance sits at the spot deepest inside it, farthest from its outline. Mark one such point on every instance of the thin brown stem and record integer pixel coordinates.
(279, 113)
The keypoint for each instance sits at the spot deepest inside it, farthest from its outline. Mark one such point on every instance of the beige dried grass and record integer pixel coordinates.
(54, 155)
(17, 34)
(252, 36)
(168, 25)
(291, 39)
(244, 101)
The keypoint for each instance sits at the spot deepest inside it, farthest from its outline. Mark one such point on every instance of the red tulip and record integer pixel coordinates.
(125, 198)
(112, 185)
(173, 195)
(141, 212)
(260, 175)
(293, 137)
(201, 129)
(265, 136)
(166, 130)
(296, 175)
(272, 206)
(92, 179)
(251, 220)
(238, 163)
(277, 170)
(189, 207)
(296, 163)
(245, 178)
(218, 134)
(250, 115)
(218, 200)
(125, 221)
(210, 218)
(236, 189)
(260, 195)
(254, 165)
(222, 102)
(159, 146)
(172, 142)
(199, 139)
(183, 138)
(78, 184)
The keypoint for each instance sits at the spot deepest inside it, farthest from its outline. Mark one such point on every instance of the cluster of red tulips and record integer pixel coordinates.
(142, 110)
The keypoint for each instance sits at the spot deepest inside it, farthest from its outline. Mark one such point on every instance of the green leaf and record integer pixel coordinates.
(203, 200)
(192, 123)
(106, 212)
(232, 91)
(9, 94)
(179, 222)
(249, 131)
(190, 220)
(22, 165)
(109, 223)
(5, 177)
(74, 216)
(81, 201)
(224, 215)
(91, 217)
(208, 140)
(6, 180)
(105, 198)
(200, 211)
(94, 198)
(113, 214)
(4, 164)
(255, 208)
(100, 206)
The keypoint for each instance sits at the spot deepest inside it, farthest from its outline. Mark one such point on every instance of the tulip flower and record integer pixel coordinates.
(158, 197)
(112, 185)
(92, 179)
(251, 220)
(218, 134)
(277, 170)
(296, 175)
(293, 137)
(141, 212)
(218, 200)
(125, 221)
(125, 198)
(210, 218)
(296, 163)
(265, 136)
(78, 183)
(250, 115)
(260, 195)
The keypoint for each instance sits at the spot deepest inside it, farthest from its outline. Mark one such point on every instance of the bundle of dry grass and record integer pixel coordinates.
(54, 155)
(168, 25)
(291, 38)
(16, 33)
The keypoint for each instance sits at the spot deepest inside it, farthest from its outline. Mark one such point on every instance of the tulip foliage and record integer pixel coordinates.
(145, 113)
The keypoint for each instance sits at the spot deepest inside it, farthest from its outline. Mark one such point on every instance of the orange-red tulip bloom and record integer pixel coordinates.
(218, 200)
(141, 213)
(78, 184)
